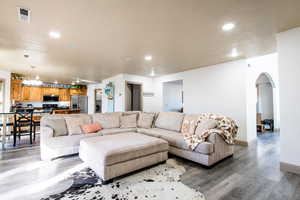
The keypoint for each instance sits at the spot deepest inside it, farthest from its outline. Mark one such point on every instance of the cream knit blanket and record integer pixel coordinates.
(226, 128)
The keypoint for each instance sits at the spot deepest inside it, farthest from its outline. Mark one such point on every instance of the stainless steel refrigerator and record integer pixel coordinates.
(80, 102)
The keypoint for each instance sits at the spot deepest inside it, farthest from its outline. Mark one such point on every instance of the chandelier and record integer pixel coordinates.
(35, 81)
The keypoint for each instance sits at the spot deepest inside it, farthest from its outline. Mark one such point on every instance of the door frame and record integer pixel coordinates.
(141, 96)
(95, 94)
(3, 88)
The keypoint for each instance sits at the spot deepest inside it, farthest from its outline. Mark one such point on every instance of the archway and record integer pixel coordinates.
(265, 107)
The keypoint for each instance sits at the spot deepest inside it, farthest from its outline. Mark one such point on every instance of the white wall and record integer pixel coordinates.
(6, 77)
(147, 86)
(158, 89)
(288, 44)
(268, 65)
(119, 83)
(172, 96)
(91, 96)
(219, 89)
(227, 89)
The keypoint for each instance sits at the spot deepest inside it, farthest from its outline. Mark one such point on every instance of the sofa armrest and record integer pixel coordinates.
(46, 133)
(216, 139)
(212, 138)
(221, 148)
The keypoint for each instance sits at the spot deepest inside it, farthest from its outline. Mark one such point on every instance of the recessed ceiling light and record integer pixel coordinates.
(228, 26)
(73, 83)
(54, 34)
(148, 57)
(234, 53)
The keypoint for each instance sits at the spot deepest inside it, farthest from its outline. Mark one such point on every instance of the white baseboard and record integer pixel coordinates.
(241, 142)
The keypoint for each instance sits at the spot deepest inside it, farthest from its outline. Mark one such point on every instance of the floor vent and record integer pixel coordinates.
(24, 14)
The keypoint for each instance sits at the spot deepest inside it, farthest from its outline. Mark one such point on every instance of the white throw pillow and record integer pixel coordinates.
(146, 120)
(204, 125)
(128, 121)
(108, 120)
(74, 123)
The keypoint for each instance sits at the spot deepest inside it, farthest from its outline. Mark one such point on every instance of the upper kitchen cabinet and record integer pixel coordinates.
(25, 93)
(21, 92)
(36, 94)
(50, 91)
(30, 93)
(16, 90)
(64, 94)
(75, 91)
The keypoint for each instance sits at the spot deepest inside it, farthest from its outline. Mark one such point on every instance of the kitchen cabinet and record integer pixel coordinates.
(64, 94)
(36, 94)
(20, 92)
(74, 91)
(25, 93)
(16, 90)
(30, 93)
(50, 91)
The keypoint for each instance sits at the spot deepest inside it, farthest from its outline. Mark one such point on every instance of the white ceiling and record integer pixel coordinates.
(102, 38)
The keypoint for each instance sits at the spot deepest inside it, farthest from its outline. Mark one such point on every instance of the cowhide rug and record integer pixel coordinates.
(161, 182)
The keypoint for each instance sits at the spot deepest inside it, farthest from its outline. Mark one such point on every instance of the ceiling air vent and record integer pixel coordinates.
(24, 14)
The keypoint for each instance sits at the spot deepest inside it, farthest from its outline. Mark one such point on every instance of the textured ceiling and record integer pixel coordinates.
(102, 38)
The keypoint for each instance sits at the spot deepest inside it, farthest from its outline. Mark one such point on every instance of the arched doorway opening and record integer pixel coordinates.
(265, 107)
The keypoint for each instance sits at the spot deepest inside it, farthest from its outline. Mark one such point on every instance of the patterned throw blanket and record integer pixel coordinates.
(226, 128)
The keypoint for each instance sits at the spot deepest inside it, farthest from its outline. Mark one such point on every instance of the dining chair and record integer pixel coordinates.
(36, 123)
(23, 120)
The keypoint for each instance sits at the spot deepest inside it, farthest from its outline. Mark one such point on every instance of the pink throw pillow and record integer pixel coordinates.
(91, 128)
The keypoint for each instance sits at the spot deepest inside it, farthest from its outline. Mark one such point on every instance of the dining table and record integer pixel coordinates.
(7, 120)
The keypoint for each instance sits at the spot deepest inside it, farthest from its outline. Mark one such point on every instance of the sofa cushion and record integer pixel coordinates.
(90, 128)
(111, 131)
(128, 121)
(131, 112)
(74, 124)
(189, 123)
(154, 132)
(68, 141)
(204, 125)
(145, 120)
(169, 120)
(114, 149)
(108, 120)
(57, 123)
(177, 140)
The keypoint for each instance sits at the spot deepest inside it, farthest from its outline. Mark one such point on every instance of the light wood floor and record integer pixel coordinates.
(252, 173)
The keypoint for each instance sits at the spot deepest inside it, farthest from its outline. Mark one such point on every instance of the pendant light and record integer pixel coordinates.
(31, 80)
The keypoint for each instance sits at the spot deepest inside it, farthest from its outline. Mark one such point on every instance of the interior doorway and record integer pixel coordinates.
(173, 96)
(98, 100)
(264, 104)
(2, 96)
(133, 97)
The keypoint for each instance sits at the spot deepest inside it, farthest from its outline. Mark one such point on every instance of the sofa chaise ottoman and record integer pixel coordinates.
(111, 156)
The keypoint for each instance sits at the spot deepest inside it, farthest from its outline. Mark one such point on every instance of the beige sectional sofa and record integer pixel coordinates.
(61, 136)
